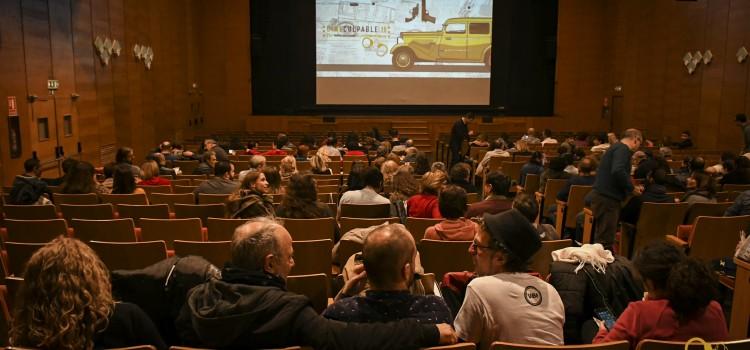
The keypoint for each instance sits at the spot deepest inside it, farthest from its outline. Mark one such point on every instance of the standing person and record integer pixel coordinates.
(459, 133)
(612, 185)
(741, 121)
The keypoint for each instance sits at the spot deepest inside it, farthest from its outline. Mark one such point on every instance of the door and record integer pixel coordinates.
(453, 42)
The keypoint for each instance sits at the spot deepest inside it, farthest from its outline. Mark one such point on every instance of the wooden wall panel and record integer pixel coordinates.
(85, 80)
(735, 77)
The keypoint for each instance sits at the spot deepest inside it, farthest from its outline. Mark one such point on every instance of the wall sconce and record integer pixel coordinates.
(32, 98)
(707, 57)
(741, 54)
(106, 48)
(144, 53)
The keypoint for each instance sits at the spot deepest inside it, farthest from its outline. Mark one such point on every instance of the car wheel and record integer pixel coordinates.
(488, 60)
(403, 59)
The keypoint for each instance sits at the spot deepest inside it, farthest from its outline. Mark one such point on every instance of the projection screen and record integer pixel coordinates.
(403, 52)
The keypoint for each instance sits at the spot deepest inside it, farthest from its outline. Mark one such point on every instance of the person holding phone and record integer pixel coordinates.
(680, 301)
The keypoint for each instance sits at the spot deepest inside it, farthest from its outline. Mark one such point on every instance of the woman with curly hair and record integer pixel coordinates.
(66, 302)
(319, 165)
(273, 176)
(251, 199)
(301, 200)
(288, 167)
(425, 204)
(388, 169)
(680, 303)
(404, 184)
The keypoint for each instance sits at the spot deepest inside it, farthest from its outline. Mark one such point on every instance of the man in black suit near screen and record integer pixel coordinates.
(459, 133)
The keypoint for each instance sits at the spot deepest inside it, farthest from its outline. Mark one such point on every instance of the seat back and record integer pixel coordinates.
(170, 230)
(496, 162)
(648, 344)
(619, 345)
(512, 170)
(156, 189)
(13, 284)
(551, 188)
(205, 198)
(135, 198)
(735, 187)
(328, 188)
(541, 261)
(348, 223)
(312, 257)
(35, 231)
(201, 211)
(129, 255)
(310, 229)
(716, 237)
(366, 211)
(171, 199)
(114, 230)
(458, 346)
(531, 183)
(313, 286)
(18, 255)
(186, 166)
(418, 226)
(87, 211)
(575, 204)
(217, 252)
(345, 250)
(472, 198)
(63, 198)
(222, 229)
(135, 212)
(440, 257)
(30, 212)
(184, 189)
(705, 209)
(657, 220)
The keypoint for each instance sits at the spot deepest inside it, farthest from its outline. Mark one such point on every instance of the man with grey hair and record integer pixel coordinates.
(212, 145)
(257, 163)
(389, 258)
(612, 185)
(250, 306)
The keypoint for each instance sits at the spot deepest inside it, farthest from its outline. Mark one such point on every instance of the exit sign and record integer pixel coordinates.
(53, 84)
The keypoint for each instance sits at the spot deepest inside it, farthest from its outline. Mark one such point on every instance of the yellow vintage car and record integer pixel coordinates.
(465, 39)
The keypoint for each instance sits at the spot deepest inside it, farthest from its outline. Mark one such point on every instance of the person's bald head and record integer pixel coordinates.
(388, 254)
(263, 244)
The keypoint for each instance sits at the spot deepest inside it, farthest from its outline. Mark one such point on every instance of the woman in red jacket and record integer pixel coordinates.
(150, 175)
(679, 304)
(425, 204)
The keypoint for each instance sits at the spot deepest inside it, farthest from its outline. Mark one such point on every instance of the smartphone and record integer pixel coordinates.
(605, 315)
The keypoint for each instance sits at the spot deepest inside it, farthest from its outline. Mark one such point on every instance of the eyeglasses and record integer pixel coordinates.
(475, 245)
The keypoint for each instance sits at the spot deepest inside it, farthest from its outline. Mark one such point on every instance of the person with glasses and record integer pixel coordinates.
(612, 185)
(504, 303)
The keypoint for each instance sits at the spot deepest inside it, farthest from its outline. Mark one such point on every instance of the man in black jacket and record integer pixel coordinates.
(612, 185)
(459, 133)
(249, 307)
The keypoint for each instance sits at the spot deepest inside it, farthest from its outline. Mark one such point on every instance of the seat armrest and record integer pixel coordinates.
(676, 241)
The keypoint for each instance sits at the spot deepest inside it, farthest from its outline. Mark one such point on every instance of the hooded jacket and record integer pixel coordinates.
(452, 230)
(248, 309)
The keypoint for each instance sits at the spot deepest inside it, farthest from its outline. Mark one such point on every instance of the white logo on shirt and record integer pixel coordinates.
(533, 296)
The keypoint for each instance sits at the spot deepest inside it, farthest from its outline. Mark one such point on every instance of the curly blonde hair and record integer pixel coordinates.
(65, 299)
(433, 182)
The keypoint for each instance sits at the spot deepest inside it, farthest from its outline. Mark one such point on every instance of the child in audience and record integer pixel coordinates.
(679, 304)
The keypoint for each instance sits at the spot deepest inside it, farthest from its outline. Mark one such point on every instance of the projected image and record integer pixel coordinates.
(397, 44)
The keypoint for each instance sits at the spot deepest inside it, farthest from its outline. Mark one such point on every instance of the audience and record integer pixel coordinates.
(741, 205)
(274, 180)
(679, 305)
(556, 170)
(452, 205)
(213, 146)
(257, 163)
(505, 303)
(301, 200)
(528, 206)
(82, 180)
(28, 188)
(221, 183)
(497, 149)
(422, 164)
(206, 166)
(67, 166)
(123, 181)
(460, 175)
(389, 259)
(66, 302)
(355, 180)
(654, 191)
(251, 199)
(319, 165)
(685, 141)
(328, 148)
(425, 204)
(586, 176)
(404, 185)
(161, 161)
(496, 188)
(288, 167)
(280, 146)
(250, 305)
(700, 188)
(547, 138)
(530, 137)
(388, 169)
(125, 155)
(302, 151)
(533, 166)
(740, 174)
(372, 179)
(150, 175)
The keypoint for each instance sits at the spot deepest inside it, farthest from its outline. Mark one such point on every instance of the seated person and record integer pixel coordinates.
(654, 191)
(497, 149)
(123, 181)
(685, 141)
(556, 170)
(700, 189)
(373, 181)
(586, 176)
(389, 259)
(279, 146)
(528, 206)
(257, 163)
(251, 199)
(301, 200)
(319, 165)
(459, 176)
(741, 205)
(150, 175)
(497, 186)
(206, 167)
(425, 204)
(221, 183)
(547, 138)
(452, 205)
(28, 188)
(81, 313)
(250, 305)
(67, 165)
(680, 303)
(504, 303)
(533, 166)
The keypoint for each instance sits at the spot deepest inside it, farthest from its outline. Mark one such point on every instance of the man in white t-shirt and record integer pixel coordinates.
(373, 181)
(505, 303)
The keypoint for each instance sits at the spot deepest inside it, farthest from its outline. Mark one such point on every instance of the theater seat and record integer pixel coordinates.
(619, 345)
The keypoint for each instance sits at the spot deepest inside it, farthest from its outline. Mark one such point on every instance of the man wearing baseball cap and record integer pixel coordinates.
(505, 303)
